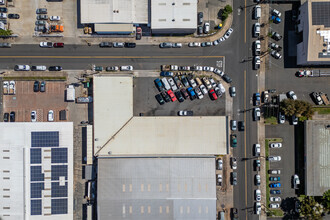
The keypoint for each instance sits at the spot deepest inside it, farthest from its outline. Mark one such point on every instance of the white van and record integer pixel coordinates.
(166, 84)
(257, 12)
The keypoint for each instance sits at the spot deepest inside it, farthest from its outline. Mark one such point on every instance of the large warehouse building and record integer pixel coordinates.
(120, 16)
(315, 27)
(36, 171)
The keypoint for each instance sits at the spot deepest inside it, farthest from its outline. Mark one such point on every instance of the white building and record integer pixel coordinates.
(36, 171)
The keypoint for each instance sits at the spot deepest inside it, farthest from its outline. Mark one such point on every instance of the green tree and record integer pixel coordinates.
(326, 200)
(6, 32)
(228, 9)
(297, 107)
(310, 208)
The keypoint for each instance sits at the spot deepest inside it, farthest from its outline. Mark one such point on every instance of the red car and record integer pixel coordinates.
(213, 94)
(171, 94)
(58, 45)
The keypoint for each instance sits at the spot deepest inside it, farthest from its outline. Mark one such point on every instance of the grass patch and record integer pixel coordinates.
(32, 78)
(271, 120)
(322, 111)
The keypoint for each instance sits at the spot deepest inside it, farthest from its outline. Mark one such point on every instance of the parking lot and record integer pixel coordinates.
(26, 100)
(145, 102)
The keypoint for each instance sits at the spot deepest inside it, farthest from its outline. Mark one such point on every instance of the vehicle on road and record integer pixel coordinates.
(22, 68)
(274, 178)
(275, 185)
(51, 115)
(185, 113)
(256, 62)
(274, 205)
(233, 178)
(233, 125)
(256, 114)
(274, 192)
(105, 44)
(232, 91)
(126, 68)
(292, 95)
(172, 96)
(233, 163)
(257, 195)
(257, 208)
(275, 145)
(241, 126)
(257, 180)
(219, 164)
(33, 116)
(233, 140)
(257, 150)
(160, 99)
(275, 172)
(274, 158)
(55, 68)
(275, 199)
(256, 30)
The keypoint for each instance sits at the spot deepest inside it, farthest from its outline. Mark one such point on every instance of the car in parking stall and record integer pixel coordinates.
(226, 78)
(36, 86)
(234, 213)
(166, 83)
(43, 86)
(192, 82)
(295, 181)
(199, 93)
(165, 96)
(41, 11)
(13, 16)
(12, 116)
(275, 199)
(218, 92)
(292, 95)
(6, 117)
(281, 118)
(221, 87)
(219, 164)
(172, 84)
(317, 98)
(184, 80)
(200, 29)
(138, 35)
(191, 93)
(274, 158)
(4, 10)
(275, 145)
(294, 120)
(203, 89)
(42, 17)
(215, 43)
(275, 191)
(274, 178)
(206, 28)
(275, 185)
(4, 17)
(179, 96)
(50, 115)
(172, 96)
(274, 172)
(55, 18)
(207, 83)
(276, 54)
(219, 179)
(275, 19)
(213, 95)
(228, 33)
(276, 36)
(257, 48)
(274, 205)
(160, 99)
(159, 84)
(33, 116)
(200, 18)
(184, 93)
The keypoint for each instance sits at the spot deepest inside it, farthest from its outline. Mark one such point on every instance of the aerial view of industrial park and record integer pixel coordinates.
(164, 109)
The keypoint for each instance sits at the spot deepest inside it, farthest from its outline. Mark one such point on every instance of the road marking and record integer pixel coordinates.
(219, 63)
(245, 23)
(245, 174)
(108, 57)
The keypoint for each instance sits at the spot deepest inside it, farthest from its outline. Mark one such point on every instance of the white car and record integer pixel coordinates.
(6, 86)
(228, 33)
(177, 45)
(276, 54)
(220, 164)
(203, 89)
(233, 163)
(217, 71)
(12, 88)
(257, 150)
(216, 42)
(198, 68)
(275, 199)
(33, 116)
(275, 145)
(174, 67)
(55, 18)
(22, 68)
(206, 68)
(292, 95)
(221, 39)
(213, 84)
(46, 44)
(296, 181)
(192, 83)
(172, 84)
(256, 62)
(51, 115)
(274, 172)
(206, 44)
(257, 179)
(257, 47)
(219, 179)
(38, 68)
(3, 15)
(118, 45)
(274, 205)
(199, 93)
(274, 158)
(276, 13)
(256, 30)
(257, 195)
(257, 208)
(222, 88)
(126, 68)
(194, 44)
(211, 69)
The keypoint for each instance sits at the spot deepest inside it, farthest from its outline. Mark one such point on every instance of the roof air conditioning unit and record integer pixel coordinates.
(110, 152)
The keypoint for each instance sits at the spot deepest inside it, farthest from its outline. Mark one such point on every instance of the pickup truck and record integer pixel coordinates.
(56, 28)
(234, 140)
(5, 87)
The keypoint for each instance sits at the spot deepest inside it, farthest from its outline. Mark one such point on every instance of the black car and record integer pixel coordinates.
(13, 16)
(160, 99)
(55, 68)
(6, 117)
(200, 18)
(200, 30)
(185, 81)
(4, 10)
(179, 96)
(166, 97)
(294, 120)
(36, 86)
(257, 165)
(130, 45)
(105, 44)
(241, 125)
(227, 78)
(12, 116)
(184, 93)
(233, 178)
(43, 86)
(234, 213)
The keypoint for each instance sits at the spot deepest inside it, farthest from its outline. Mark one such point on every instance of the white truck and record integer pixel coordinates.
(312, 73)
(70, 93)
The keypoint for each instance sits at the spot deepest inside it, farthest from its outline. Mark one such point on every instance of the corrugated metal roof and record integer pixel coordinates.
(156, 188)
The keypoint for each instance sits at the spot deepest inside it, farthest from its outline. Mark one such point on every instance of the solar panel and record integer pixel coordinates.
(59, 191)
(36, 174)
(59, 206)
(45, 139)
(36, 207)
(320, 13)
(59, 155)
(35, 155)
(36, 190)
(59, 170)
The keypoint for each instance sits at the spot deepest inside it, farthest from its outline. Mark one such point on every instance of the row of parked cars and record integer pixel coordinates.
(42, 25)
(117, 45)
(11, 117)
(36, 68)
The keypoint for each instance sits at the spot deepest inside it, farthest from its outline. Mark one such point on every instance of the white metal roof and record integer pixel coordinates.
(173, 14)
(15, 164)
(114, 11)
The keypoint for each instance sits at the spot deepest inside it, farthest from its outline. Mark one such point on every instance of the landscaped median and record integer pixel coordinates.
(32, 78)
(270, 212)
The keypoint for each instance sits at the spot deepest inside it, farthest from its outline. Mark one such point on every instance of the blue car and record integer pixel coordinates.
(159, 85)
(275, 191)
(166, 73)
(276, 19)
(191, 93)
(275, 185)
(274, 178)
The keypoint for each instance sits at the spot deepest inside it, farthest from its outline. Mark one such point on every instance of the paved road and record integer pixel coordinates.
(234, 50)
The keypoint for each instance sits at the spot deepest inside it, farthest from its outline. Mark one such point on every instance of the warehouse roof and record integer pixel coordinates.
(114, 11)
(166, 14)
(156, 188)
(118, 133)
(317, 152)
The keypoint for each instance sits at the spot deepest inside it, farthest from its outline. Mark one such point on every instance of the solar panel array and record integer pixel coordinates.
(320, 13)
(59, 171)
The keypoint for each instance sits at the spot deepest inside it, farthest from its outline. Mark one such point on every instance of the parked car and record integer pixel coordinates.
(317, 98)
(172, 96)
(275, 172)
(274, 205)
(36, 86)
(166, 45)
(130, 45)
(256, 30)
(294, 120)
(118, 45)
(228, 33)
(179, 96)
(257, 48)
(281, 118)
(43, 86)
(213, 95)
(192, 83)
(159, 84)
(274, 178)
(200, 18)
(4, 10)
(276, 13)
(292, 95)
(138, 33)
(275, 46)
(40, 28)
(184, 93)
(177, 45)
(295, 181)
(46, 44)
(185, 113)
(203, 89)
(256, 62)
(206, 28)
(13, 16)
(42, 17)
(206, 44)
(194, 44)
(234, 213)
(6, 117)
(233, 139)
(257, 180)
(55, 18)
(257, 165)
(185, 81)
(275, 19)
(126, 68)
(226, 78)
(256, 114)
(200, 29)
(222, 88)
(232, 91)
(165, 96)
(257, 208)
(218, 72)
(257, 195)
(112, 68)
(233, 125)
(275, 185)
(207, 83)
(33, 116)
(5, 45)
(233, 178)
(219, 179)
(276, 36)
(215, 43)
(58, 45)
(274, 192)
(219, 164)
(199, 93)
(12, 116)
(276, 54)
(38, 68)
(105, 44)
(22, 68)
(275, 145)
(160, 99)
(40, 22)
(172, 84)
(55, 68)
(274, 158)
(41, 11)
(275, 199)
(191, 93)
(257, 150)
(233, 163)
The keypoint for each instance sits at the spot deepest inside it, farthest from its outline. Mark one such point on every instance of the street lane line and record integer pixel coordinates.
(245, 174)
(107, 57)
(245, 23)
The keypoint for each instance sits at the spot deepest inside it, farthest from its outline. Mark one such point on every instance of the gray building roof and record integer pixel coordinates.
(156, 188)
(317, 161)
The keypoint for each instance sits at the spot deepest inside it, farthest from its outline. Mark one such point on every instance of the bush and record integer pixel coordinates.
(224, 16)
(6, 32)
(228, 9)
